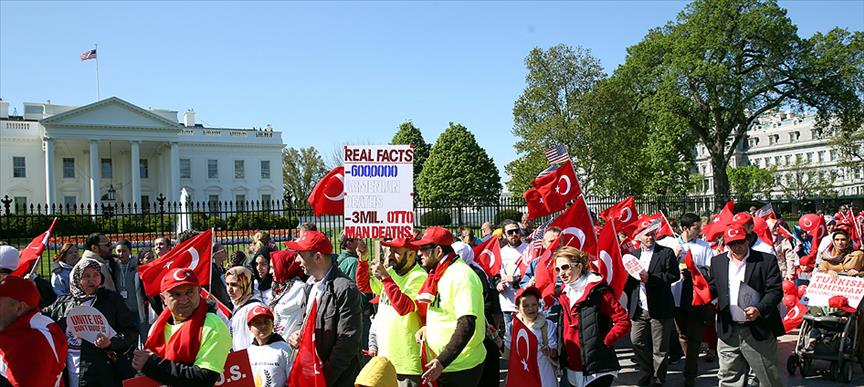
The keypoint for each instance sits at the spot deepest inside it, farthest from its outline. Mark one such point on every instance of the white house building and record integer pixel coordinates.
(113, 151)
(780, 139)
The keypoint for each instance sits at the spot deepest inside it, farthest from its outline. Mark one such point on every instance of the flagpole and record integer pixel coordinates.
(212, 244)
(98, 95)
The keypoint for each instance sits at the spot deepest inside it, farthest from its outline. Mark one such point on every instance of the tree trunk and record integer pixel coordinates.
(720, 178)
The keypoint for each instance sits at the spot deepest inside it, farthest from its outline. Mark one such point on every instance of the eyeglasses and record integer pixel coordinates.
(513, 231)
(566, 266)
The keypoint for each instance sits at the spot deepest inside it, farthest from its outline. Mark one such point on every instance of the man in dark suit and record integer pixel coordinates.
(652, 307)
(747, 286)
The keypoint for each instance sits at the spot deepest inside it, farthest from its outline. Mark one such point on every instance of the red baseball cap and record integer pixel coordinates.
(840, 302)
(20, 289)
(258, 311)
(314, 241)
(178, 277)
(531, 290)
(434, 235)
(734, 233)
(742, 218)
(400, 243)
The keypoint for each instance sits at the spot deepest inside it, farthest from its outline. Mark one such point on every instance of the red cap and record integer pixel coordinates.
(742, 218)
(400, 243)
(258, 311)
(177, 277)
(840, 302)
(314, 241)
(531, 290)
(434, 235)
(734, 233)
(20, 289)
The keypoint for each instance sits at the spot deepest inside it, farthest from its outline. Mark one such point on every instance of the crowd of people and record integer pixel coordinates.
(415, 311)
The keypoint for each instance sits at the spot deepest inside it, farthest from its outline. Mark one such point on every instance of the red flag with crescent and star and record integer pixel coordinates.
(308, 369)
(623, 214)
(193, 253)
(646, 220)
(523, 369)
(488, 256)
(815, 226)
(328, 196)
(610, 266)
(544, 273)
(577, 229)
(720, 222)
(551, 193)
(794, 316)
(33, 251)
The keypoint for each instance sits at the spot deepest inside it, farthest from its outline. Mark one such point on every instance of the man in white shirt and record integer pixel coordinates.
(510, 276)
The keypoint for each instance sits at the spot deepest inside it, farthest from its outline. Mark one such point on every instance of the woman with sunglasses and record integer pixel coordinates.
(591, 321)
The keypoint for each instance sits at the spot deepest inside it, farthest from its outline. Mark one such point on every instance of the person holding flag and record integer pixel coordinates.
(188, 343)
(591, 321)
(397, 281)
(539, 361)
(509, 278)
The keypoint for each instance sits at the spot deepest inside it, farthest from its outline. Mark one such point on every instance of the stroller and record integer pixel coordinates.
(835, 341)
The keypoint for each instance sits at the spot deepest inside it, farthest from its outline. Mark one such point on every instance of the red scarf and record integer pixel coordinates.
(429, 290)
(184, 344)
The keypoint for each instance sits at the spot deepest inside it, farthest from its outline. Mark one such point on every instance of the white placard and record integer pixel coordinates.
(87, 322)
(379, 191)
(632, 265)
(822, 287)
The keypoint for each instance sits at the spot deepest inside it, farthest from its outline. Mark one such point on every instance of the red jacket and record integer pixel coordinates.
(33, 351)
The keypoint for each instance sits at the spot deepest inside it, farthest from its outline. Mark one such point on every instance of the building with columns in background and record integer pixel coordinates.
(114, 152)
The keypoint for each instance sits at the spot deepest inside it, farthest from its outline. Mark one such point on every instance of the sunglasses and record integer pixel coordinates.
(513, 231)
(566, 266)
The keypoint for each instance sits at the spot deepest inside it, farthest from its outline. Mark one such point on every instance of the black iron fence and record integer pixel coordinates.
(236, 222)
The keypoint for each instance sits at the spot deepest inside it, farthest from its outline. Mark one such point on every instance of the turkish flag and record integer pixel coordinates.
(794, 317)
(523, 369)
(720, 222)
(544, 273)
(488, 256)
(814, 225)
(33, 251)
(701, 291)
(854, 229)
(623, 214)
(609, 263)
(646, 220)
(577, 229)
(761, 229)
(328, 196)
(308, 367)
(193, 253)
(551, 193)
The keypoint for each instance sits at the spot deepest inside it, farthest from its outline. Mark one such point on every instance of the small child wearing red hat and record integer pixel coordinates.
(269, 355)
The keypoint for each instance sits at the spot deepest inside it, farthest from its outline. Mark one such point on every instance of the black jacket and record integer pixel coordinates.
(763, 275)
(662, 272)
(97, 368)
(338, 328)
(593, 326)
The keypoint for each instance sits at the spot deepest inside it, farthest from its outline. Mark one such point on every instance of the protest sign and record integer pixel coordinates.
(822, 287)
(379, 191)
(87, 322)
(238, 373)
(632, 265)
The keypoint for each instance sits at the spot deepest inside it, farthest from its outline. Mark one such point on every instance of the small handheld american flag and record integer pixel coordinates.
(89, 54)
(556, 155)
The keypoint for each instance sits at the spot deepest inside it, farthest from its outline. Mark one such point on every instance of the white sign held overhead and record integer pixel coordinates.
(379, 191)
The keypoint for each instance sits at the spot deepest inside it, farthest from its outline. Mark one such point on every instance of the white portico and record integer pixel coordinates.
(113, 151)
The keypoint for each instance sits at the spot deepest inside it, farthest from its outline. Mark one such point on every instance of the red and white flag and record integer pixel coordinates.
(544, 273)
(766, 212)
(720, 222)
(815, 226)
(794, 316)
(664, 228)
(762, 231)
(701, 291)
(488, 256)
(577, 229)
(308, 369)
(89, 54)
(328, 196)
(609, 263)
(193, 253)
(523, 369)
(552, 192)
(623, 214)
(33, 251)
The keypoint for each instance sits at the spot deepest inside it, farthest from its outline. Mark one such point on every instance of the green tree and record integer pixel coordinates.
(458, 171)
(749, 181)
(408, 134)
(301, 170)
(723, 63)
(801, 180)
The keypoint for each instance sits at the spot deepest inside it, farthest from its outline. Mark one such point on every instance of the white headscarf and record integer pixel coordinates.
(464, 251)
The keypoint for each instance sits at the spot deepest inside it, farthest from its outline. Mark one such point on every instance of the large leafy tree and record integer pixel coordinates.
(301, 170)
(458, 171)
(408, 134)
(749, 181)
(723, 63)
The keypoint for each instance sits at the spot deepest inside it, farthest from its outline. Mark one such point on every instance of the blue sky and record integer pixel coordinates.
(329, 73)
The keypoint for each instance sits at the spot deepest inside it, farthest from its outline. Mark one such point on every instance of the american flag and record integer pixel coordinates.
(557, 154)
(89, 54)
(767, 211)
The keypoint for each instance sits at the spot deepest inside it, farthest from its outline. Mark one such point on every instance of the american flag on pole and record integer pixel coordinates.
(89, 54)
(556, 155)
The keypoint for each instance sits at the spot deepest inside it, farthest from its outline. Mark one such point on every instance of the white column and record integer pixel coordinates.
(174, 184)
(49, 173)
(136, 174)
(95, 195)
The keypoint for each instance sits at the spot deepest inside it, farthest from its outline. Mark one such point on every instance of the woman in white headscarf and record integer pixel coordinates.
(238, 283)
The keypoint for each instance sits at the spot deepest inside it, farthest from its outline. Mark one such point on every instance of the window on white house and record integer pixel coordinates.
(69, 167)
(19, 167)
(212, 169)
(239, 169)
(265, 169)
(107, 170)
(144, 166)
